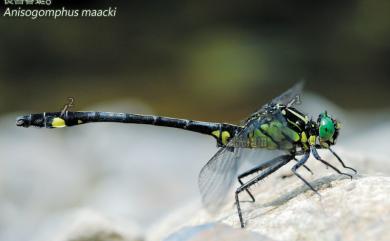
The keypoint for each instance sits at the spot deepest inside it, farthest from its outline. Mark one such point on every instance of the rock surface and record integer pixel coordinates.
(88, 225)
(357, 209)
(214, 232)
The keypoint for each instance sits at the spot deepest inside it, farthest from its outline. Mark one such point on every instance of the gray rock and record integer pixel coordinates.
(88, 225)
(348, 210)
(357, 209)
(213, 231)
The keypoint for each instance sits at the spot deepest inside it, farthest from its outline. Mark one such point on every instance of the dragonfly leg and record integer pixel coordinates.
(277, 163)
(258, 168)
(341, 161)
(300, 163)
(247, 191)
(316, 156)
(306, 167)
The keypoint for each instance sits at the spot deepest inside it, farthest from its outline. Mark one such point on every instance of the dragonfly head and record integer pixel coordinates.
(328, 129)
(40, 120)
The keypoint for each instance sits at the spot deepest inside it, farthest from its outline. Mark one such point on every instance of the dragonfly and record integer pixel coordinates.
(278, 131)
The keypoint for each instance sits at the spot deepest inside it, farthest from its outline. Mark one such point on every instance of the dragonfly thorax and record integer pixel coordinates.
(286, 128)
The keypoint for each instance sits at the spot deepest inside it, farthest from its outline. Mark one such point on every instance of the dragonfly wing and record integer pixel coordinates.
(217, 177)
(289, 95)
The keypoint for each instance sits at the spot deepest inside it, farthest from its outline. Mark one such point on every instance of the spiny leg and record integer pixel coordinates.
(341, 161)
(258, 168)
(278, 163)
(247, 191)
(316, 156)
(291, 174)
(306, 167)
(300, 163)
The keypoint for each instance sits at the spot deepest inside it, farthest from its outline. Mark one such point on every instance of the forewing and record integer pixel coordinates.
(289, 95)
(217, 177)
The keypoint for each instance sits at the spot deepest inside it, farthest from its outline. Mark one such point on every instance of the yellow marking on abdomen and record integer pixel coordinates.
(224, 138)
(58, 122)
(216, 133)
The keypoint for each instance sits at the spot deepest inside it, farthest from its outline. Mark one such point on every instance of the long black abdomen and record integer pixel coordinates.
(221, 131)
(76, 118)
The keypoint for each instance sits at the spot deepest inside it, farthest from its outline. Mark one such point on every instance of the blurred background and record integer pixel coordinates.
(203, 60)
(214, 60)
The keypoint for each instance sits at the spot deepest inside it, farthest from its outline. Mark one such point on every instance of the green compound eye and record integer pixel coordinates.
(326, 128)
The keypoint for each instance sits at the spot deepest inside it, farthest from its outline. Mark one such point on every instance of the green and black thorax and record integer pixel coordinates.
(283, 127)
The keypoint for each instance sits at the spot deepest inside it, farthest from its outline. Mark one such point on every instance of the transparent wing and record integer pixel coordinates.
(217, 177)
(289, 94)
(289, 97)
